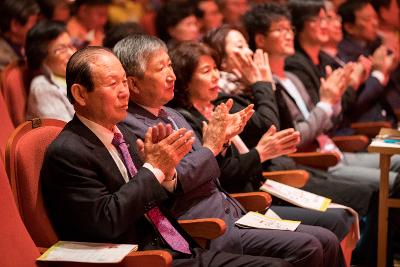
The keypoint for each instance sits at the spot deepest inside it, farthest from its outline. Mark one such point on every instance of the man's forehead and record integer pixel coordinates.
(106, 65)
(158, 56)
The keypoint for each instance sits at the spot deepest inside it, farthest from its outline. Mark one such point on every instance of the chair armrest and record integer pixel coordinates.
(148, 258)
(254, 201)
(371, 128)
(316, 159)
(295, 178)
(351, 143)
(204, 230)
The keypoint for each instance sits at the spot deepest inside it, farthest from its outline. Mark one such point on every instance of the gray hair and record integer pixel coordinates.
(134, 52)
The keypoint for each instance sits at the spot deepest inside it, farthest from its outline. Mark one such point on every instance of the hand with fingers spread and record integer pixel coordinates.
(214, 133)
(237, 121)
(159, 132)
(167, 152)
(252, 69)
(274, 144)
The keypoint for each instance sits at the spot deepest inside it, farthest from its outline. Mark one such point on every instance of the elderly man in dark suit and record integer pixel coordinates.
(198, 193)
(95, 185)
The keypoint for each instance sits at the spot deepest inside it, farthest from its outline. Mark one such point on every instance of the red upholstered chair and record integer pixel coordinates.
(6, 127)
(19, 250)
(16, 245)
(24, 156)
(23, 169)
(14, 88)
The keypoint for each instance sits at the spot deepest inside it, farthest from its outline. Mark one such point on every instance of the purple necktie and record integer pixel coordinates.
(163, 225)
(119, 142)
(163, 115)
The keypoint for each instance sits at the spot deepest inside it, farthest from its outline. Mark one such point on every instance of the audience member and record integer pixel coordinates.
(270, 29)
(360, 26)
(198, 194)
(388, 12)
(248, 87)
(48, 49)
(368, 87)
(389, 31)
(17, 17)
(176, 22)
(233, 10)
(95, 191)
(241, 170)
(208, 15)
(311, 29)
(86, 26)
(58, 10)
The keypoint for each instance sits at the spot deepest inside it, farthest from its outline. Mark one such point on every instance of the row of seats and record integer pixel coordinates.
(24, 155)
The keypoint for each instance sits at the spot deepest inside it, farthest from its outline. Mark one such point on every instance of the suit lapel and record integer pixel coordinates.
(99, 150)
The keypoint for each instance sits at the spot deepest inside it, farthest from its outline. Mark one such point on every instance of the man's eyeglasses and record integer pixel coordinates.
(283, 31)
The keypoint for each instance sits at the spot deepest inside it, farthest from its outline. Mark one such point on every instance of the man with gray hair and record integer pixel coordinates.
(197, 191)
(95, 185)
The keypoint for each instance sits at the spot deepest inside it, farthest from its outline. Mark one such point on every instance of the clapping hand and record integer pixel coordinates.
(164, 148)
(274, 144)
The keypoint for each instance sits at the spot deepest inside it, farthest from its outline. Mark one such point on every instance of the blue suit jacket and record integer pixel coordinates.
(199, 194)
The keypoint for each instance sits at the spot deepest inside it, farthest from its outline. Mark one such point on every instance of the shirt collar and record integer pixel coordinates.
(105, 135)
(153, 111)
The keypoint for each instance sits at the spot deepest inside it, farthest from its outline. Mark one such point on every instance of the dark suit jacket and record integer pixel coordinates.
(373, 100)
(87, 197)
(199, 194)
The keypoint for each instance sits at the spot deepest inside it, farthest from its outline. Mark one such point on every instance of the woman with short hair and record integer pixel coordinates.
(48, 49)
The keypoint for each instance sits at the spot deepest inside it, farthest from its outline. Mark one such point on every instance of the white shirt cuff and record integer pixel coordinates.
(326, 107)
(156, 171)
(378, 75)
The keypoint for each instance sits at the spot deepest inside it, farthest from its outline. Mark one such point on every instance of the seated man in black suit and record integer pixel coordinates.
(198, 192)
(95, 186)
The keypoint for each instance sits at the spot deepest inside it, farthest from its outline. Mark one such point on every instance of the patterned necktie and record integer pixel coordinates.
(163, 115)
(119, 142)
(163, 225)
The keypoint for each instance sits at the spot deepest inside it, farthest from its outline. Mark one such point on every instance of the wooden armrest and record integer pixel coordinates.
(371, 128)
(295, 178)
(254, 201)
(147, 258)
(204, 230)
(209, 228)
(351, 143)
(316, 159)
